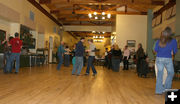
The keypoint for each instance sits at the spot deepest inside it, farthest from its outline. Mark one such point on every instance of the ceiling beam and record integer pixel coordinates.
(85, 7)
(82, 19)
(67, 12)
(112, 2)
(115, 7)
(40, 8)
(44, 1)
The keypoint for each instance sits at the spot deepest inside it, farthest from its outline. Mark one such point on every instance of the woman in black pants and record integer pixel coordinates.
(126, 58)
(116, 58)
(139, 57)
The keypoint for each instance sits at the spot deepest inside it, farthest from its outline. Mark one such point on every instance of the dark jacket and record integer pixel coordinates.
(117, 54)
(140, 53)
(79, 49)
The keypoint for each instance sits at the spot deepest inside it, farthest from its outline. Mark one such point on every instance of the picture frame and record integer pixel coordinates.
(131, 43)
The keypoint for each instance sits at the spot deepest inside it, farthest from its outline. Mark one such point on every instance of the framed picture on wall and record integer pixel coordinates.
(168, 13)
(131, 43)
(159, 19)
(154, 22)
(173, 11)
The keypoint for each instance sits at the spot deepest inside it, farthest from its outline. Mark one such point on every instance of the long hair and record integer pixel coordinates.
(166, 37)
(116, 47)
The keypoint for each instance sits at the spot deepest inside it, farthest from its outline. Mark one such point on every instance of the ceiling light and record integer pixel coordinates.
(93, 31)
(95, 13)
(103, 17)
(109, 16)
(103, 37)
(103, 13)
(96, 17)
(90, 15)
(103, 32)
(96, 36)
(100, 37)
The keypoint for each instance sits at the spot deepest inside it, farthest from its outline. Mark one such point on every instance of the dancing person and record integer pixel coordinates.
(126, 56)
(73, 55)
(140, 54)
(79, 57)
(7, 54)
(67, 56)
(116, 58)
(165, 47)
(91, 51)
(16, 45)
(60, 55)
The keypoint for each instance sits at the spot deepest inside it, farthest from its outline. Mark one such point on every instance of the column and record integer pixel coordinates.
(150, 41)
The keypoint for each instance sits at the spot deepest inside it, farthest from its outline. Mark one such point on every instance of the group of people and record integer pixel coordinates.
(78, 57)
(114, 57)
(12, 49)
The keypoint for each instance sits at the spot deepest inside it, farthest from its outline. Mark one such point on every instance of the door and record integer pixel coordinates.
(50, 49)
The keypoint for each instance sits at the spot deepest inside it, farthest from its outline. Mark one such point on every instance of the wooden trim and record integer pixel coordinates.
(39, 7)
(167, 6)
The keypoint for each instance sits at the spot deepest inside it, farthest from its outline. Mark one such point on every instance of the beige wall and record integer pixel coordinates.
(23, 7)
(131, 27)
(69, 39)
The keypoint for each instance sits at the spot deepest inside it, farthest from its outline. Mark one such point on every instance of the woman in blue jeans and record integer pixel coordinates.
(165, 47)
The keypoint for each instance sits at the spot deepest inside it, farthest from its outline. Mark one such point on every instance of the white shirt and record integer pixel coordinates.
(126, 53)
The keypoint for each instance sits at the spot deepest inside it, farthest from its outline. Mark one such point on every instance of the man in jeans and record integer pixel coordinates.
(16, 44)
(91, 57)
(79, 57)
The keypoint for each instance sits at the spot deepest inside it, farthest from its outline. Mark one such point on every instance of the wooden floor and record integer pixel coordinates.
(46, 85)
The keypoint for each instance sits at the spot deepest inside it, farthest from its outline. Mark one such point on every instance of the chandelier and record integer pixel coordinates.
(99, 16)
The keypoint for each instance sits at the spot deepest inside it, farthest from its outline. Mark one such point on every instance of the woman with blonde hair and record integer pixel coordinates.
(164, 48)
(116, 57)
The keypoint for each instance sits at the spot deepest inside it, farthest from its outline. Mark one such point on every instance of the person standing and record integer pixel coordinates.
(165, 47)
(92, 49)
(16, 45)
(126, 55)
(79, 57)
(140, 54)
(67, 56)
(106, 57)
(116, 58)
(60, 55)
(7, 54)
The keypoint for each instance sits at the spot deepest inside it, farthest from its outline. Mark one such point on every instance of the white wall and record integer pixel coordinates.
(131, 27)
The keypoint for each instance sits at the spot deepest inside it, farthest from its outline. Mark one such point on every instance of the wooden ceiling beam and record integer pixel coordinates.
(115, 7)
(67, 12)
(112, 2)
(85, 7)
(82, 19)
(44, 1)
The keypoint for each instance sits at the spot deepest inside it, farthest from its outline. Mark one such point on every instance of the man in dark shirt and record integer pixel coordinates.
(79, 57)
(16, 44)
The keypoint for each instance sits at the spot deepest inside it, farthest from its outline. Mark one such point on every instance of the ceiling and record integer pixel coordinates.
(75, 12)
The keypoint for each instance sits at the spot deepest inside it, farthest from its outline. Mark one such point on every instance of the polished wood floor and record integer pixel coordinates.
(46, 85)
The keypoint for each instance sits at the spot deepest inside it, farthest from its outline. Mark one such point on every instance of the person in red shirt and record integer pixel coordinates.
(16, 44)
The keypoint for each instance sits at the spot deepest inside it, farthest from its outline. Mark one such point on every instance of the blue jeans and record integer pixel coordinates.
(7, 58)
(78, 66)
(161, 64)
(13, 56)
(60, 62)
(90, 65)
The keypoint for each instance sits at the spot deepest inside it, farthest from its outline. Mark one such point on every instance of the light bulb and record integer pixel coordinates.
(96, 17)
(95, 13)
(103, 13)
(109, 16)
(90, 15)
(103, 17)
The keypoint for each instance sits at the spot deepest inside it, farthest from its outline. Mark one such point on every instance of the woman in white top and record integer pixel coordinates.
(126, 55)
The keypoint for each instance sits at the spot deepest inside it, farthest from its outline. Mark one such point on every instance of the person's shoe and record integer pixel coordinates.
(16, 72)
(86, 74)
(94, 74)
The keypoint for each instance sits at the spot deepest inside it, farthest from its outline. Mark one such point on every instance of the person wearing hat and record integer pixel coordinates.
(92, 49)
(79, 53)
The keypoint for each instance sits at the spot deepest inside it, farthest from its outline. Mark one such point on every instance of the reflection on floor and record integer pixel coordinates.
(46, 85)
